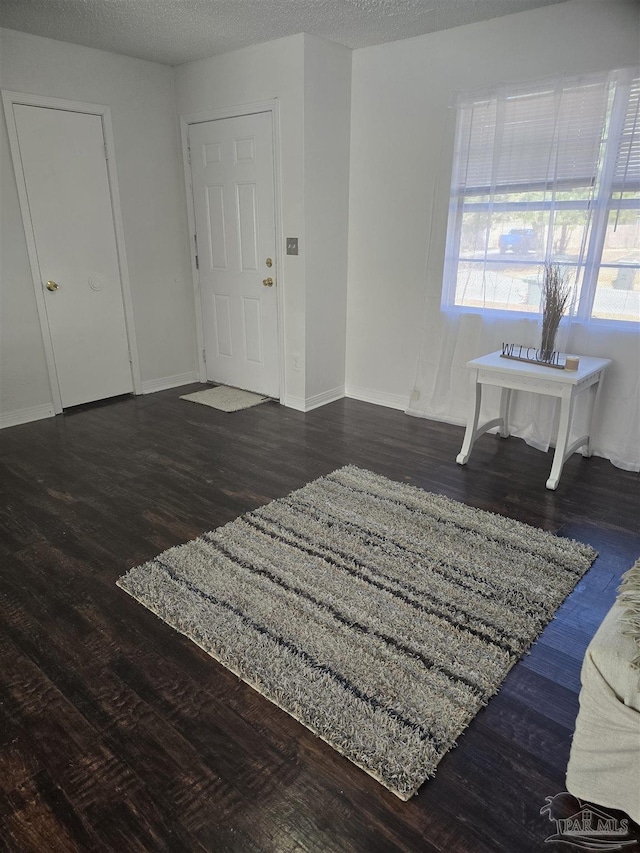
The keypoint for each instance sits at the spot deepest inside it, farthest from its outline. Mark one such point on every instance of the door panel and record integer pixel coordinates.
(215, 228)
(67, 184)
(246, 204)
(252, 317)
(222, 312)
(233, 195)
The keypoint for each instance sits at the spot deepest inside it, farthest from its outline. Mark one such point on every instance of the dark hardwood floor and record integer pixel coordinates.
(118, 734)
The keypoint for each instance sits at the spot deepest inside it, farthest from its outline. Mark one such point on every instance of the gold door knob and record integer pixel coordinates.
(51, 285)
(268, 282)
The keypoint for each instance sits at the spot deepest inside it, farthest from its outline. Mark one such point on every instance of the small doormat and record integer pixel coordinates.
(225, 399)
(380, 616)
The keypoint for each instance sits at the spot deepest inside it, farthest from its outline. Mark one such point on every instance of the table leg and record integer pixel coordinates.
(586, 450)
(505, 399)
(472, 421)
(563, 438)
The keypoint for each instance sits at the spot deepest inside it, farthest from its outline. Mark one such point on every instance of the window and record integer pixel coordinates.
(549, 172)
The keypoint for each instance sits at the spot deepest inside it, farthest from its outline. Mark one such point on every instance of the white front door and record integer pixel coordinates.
(67, 185)
(233, 196)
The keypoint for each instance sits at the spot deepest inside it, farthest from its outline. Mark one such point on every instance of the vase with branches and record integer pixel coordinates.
(556, 291)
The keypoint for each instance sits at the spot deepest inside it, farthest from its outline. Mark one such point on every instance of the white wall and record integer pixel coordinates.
(400, 127)
(311, 79)
(261, 73)
(142, 100)
(327, 119)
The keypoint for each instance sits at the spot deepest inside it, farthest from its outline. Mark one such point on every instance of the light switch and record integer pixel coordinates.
(292, 245)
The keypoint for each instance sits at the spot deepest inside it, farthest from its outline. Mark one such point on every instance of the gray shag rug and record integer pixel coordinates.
(380, 616)
(225, 398)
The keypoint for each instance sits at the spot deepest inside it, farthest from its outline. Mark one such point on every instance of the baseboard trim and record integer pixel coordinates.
(291, 402)
(378, 398)
(323, 398)
(307, 404)
(25, 416)
(153, 385)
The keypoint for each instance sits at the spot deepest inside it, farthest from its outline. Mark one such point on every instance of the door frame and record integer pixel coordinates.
(269, 106)
(9, 99)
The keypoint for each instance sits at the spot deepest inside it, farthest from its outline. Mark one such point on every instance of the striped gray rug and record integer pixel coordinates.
(379, 615)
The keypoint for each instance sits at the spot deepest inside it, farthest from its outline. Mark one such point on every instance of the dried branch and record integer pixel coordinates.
(556, 290)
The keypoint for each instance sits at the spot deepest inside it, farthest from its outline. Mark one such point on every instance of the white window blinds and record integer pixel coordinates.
(547, 172)
(551, 136)
(627, 168)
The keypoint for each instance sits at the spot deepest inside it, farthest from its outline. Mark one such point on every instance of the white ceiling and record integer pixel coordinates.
(176, 31)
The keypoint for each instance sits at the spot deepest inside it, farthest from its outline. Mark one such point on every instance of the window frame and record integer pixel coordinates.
(598, 208)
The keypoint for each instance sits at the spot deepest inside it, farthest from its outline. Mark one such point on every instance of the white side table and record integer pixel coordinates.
(513, 375)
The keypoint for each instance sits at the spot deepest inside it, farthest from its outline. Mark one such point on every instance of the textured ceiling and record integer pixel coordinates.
(175, 31)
